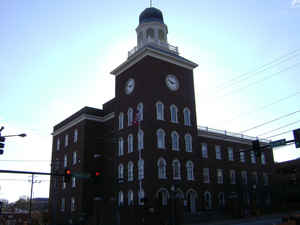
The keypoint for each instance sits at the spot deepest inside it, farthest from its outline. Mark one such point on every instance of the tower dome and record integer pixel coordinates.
(151, 15)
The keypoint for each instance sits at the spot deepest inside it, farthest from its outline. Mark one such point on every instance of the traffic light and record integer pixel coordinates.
(2, 140)
(297, 137)
(256, 148)
(67, 175)
(96, 177)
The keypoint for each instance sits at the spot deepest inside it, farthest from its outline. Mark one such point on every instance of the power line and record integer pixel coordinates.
(261, 80)
(251, 75)
(278, 118)
(280, 134)
(263, 107)
(287, 125)
(260, 67)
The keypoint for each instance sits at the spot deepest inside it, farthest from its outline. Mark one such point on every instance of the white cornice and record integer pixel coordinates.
(148, 51)
(81, 118)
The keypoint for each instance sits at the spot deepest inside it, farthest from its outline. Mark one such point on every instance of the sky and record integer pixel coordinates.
(56, 57)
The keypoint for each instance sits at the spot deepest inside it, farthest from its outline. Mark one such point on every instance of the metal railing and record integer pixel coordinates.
(231, 134)
(154, 43)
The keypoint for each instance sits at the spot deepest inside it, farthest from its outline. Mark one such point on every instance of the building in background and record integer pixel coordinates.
(147, 145)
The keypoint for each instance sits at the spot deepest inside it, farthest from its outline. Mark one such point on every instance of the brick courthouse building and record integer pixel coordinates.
(147, 144)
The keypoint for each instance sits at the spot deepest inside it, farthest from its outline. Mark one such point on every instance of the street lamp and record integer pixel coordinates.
(15, 135)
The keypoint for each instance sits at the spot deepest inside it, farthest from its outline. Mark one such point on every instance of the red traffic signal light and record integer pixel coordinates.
(97, 174)
(67, 175)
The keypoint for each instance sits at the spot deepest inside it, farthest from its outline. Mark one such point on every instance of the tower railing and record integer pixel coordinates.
(155, 43)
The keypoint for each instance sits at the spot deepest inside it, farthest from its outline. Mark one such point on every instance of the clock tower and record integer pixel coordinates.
(155, 112)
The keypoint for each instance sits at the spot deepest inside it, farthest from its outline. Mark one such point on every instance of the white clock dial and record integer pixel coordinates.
(129, 86)
(172, 82)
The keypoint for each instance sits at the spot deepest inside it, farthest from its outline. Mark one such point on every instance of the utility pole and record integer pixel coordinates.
(31, 192)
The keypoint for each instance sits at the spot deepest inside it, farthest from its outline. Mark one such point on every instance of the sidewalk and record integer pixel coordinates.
(244, 220)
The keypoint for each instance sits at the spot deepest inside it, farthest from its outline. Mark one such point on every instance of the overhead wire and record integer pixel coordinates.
(271, 131)
(271, 121)
(280, 134)
(262, 107)
(260, 81)
(296, 51)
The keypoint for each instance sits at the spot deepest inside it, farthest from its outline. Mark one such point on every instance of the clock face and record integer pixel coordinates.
(172, 82)
(129, 86)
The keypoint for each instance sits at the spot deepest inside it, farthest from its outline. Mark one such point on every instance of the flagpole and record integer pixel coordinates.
(140, 151)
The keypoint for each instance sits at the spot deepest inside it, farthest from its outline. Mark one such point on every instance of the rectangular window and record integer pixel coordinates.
(75, 136)
(253, 157)
(219, 176)
(74, 158)
(266, 179)
(263, 159)
(254, 178)
(63, 183)
(230, 154)
(244, 177)
(232, 177)
(204, 150)
(73, 206)
(65, 161)
(62, 206)
(121, 121)
(57, 144)
(206, 175)
(242, 156)
(73, 182)
(66, 140)
(218, 152)
(121, 147)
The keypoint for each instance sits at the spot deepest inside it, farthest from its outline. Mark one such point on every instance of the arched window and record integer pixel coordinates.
(130, 171)
(176, 169)
(161, 35)
(75, 136)
(188, 143)
(141, 169)
(130, 116)
(161, 138)
(162, 168)
(130, 197)
(121, 120)
(130, 143)
(159, 111)
(150, 33)
(121, 146)
(174, 112)
(140, 38)
(121, 171)
(190, 170)
(140, 111)
(187, 117)
(140, 139)
(120, 198)
(175, 141)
